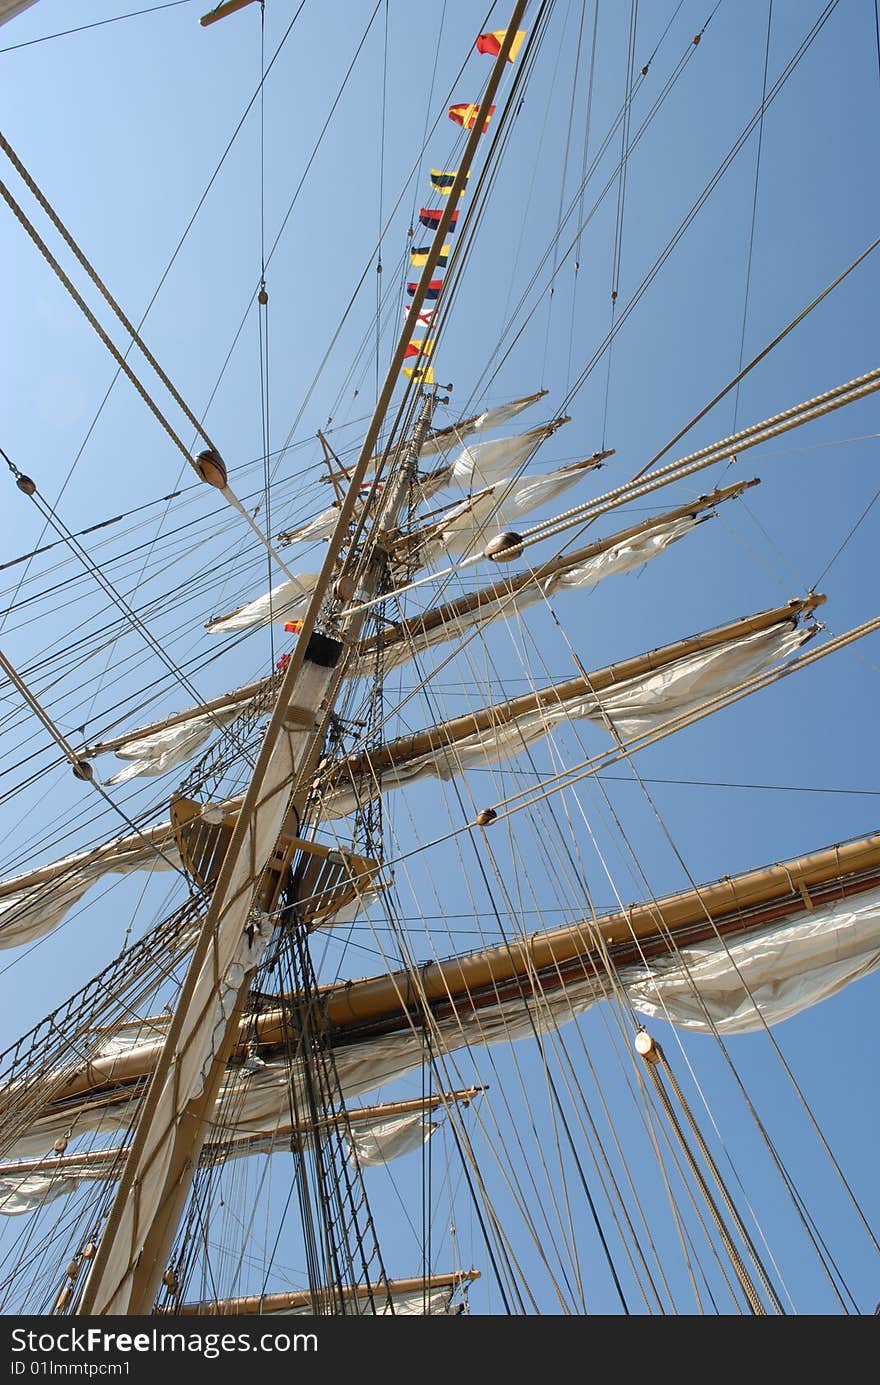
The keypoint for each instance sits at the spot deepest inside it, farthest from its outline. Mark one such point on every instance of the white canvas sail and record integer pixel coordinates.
(286, 601)
(321, 527)
(482, 423)
(166, 747)
(737, 986)
(483, 463)
(376, 1141)
(470, 523)
(615, 561)
(635, 705)
(34, 909)
(784, 966)
(164, 750)
(384, 1140)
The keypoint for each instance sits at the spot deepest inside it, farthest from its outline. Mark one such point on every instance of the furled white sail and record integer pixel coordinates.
(643, 703)
(621, 558)
(376, 1141)
(632, 706)
(41, 904)
(413, 1305)
(738, 985)
(286, 601)
(382, 1141)
(455, 433)
(164, 749)
(23, 1193)
(167, 747)
(321, 527)
(786, 965)
(258, 1102)
(471, 522)
(481, 423)
(35, 909)
(483, 463)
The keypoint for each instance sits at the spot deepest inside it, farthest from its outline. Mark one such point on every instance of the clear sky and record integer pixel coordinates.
(123, 126)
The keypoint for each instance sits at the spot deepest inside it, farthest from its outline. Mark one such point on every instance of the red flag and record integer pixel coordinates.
(293, 627)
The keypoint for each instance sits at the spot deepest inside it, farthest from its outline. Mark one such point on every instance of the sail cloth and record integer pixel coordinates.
(420, 1304)
(470, 522)
(379, 1142)
(23, 1193)
(475, 467)
(631, 706)
(321, 527)
(483, 463)
(787, 965)
(163, 750)
(481, 423)
(146, 752)
(35, 909)
(286, 601)
(737, 986)
(376, 1141)
(614, 561)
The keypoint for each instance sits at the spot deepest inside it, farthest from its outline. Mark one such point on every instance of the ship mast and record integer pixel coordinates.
(174, 1115)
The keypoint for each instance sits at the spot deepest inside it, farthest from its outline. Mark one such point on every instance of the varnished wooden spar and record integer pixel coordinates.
(436, 616)
(224, 9)
(303, 1298)
(447, 733)
(222, 703)
(736, 905)
(100, 1161)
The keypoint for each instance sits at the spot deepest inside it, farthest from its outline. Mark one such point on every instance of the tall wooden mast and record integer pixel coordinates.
(164, 1153)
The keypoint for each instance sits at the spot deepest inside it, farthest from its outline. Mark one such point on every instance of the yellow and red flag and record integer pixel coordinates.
(426, 346)
(466, 112)
(491, 43)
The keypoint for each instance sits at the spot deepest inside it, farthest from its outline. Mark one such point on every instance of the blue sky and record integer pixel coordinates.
(123, 125)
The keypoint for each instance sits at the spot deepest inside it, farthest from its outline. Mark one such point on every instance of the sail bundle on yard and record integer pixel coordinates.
(792, 933)
(503, 600)
(582, 568)
(477, 467)
(288, 600)
(469, 522)
(626, 699)
(154, 754)
(35, 903)
(374, 1139)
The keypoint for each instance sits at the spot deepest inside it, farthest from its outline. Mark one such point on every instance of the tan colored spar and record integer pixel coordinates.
(735, 905)
(303, 1298)
(108, 1160)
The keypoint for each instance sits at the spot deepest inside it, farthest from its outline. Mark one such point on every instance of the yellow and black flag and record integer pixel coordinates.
(419, 256)
(442, 181)
(425, 373)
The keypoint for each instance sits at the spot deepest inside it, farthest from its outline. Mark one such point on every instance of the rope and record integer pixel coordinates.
(742, 338)
(740, 1270)
(98, 24)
